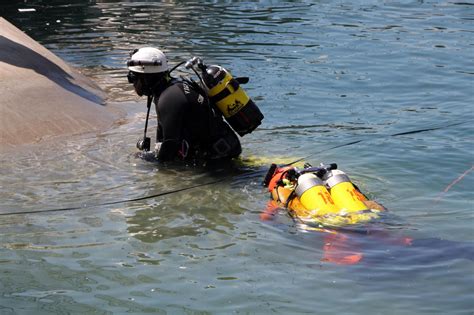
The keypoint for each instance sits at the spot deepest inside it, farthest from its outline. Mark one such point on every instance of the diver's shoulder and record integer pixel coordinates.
(172, 91)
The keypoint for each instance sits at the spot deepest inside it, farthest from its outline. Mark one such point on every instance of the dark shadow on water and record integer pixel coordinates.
(381, 248)
(218, 169)
(375, 249)
(20, 56)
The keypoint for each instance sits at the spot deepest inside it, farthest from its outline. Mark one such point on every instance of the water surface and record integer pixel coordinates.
(324, 73)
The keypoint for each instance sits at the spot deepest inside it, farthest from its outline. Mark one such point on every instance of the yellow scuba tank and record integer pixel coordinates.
(230, 98)
(343, 192)
(314, 195)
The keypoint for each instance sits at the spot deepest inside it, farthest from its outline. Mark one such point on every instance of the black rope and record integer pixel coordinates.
(427, 129)
(382, 136)
(116, 202)
(219, 180)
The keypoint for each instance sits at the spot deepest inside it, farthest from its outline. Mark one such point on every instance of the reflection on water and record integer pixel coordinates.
(334, 80)
(99, 37)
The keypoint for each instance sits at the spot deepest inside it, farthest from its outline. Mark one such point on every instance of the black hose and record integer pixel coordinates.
(179, 64)
(148, 105)
(117, 201)
(382, 136)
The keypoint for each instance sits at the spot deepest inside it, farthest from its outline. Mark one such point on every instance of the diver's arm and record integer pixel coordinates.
(168, 150)
(372, 204)
(170, 108)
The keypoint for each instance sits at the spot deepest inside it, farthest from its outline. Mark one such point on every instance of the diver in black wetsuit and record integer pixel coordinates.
(188, 128)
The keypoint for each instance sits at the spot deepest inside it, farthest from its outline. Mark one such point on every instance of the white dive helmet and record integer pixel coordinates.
(148, 60)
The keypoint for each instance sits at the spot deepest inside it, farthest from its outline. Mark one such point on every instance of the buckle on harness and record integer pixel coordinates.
(221, 147)
(183, 153)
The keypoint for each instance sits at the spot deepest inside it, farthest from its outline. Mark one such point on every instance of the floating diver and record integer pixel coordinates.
(324, 199)
(320, 196)
(191, 115)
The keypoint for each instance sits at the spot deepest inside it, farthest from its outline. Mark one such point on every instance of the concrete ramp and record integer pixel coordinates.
(41, 96)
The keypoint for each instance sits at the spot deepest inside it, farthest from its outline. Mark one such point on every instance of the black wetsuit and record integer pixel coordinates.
(188, 128)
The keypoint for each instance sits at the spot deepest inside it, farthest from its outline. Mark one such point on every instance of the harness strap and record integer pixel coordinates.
(290, 198)
(226, 91)
(280, 183)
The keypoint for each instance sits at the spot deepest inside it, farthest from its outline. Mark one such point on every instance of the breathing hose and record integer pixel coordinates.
(148, 105)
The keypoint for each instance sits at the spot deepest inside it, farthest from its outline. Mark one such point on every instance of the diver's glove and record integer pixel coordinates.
(168, 150)
(157, 148)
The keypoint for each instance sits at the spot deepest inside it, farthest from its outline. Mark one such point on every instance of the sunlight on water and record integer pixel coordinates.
(376, 87)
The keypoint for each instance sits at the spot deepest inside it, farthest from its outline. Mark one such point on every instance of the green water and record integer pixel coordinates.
(324, 73)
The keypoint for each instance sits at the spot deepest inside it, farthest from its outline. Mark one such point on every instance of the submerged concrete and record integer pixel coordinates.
(41, 96)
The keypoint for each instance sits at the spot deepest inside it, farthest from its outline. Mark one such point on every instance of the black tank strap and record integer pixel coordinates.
(225, 92)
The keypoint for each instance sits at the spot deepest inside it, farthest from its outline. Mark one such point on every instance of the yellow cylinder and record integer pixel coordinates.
(236, 97)
(232, 101)
(343, 192)
(313, 195)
